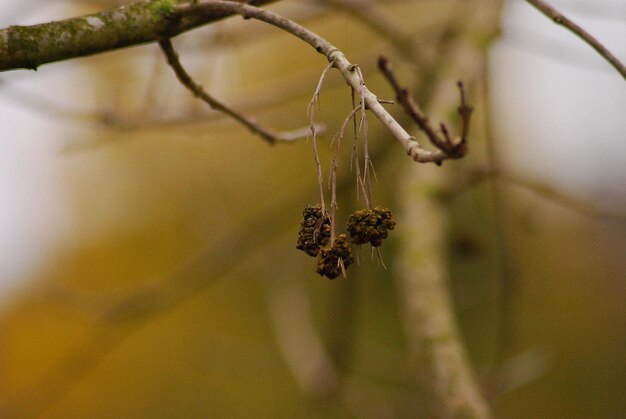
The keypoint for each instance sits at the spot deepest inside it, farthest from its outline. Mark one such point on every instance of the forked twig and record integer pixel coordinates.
(451, 148)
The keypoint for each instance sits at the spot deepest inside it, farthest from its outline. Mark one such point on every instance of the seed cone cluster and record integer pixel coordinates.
(370, 225)
(314, 230)
(333, 261)
(364, 226)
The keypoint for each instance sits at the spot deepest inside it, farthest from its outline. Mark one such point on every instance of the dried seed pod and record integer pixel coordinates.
(370, 225)
(314, 230)
(333, 261)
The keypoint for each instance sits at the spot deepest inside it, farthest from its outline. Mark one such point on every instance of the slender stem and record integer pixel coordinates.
(313, 134)
(355, 147)
(333, 170)
(267, 134)
(541, 189)
(367, 184)
(559, 19)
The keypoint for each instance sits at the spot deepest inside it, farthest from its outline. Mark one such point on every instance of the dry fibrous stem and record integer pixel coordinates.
(370, 225)
(314, 230)
(333, 261)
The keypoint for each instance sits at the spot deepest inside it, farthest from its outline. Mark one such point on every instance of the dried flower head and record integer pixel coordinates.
(333, 261)
(370, 225)
(314, 230)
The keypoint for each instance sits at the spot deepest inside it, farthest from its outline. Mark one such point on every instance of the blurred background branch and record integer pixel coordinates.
(559, 19)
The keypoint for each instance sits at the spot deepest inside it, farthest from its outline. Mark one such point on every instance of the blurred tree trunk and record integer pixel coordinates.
(447, 387)
(446, 384)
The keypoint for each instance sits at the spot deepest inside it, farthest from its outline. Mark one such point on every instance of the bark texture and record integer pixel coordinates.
(134, 24)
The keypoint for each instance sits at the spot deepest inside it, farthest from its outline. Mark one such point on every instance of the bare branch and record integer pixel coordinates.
(559, 19)
(133, 24)
(267, 134)
(334, 56)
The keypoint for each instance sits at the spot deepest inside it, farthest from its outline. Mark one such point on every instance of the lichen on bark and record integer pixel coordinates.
(134, 24)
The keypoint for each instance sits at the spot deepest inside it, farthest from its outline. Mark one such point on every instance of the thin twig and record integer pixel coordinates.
(476, 177)
(366, 182)
(267, 134)
(273, 96)
(559, 19)
(354, 159)
(465, 111)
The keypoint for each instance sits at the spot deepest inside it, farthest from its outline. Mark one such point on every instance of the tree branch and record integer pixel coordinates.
(559, 19)
(544, 190)
(334, 55)
(267, 134)
(134, 24)
(155, 20)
